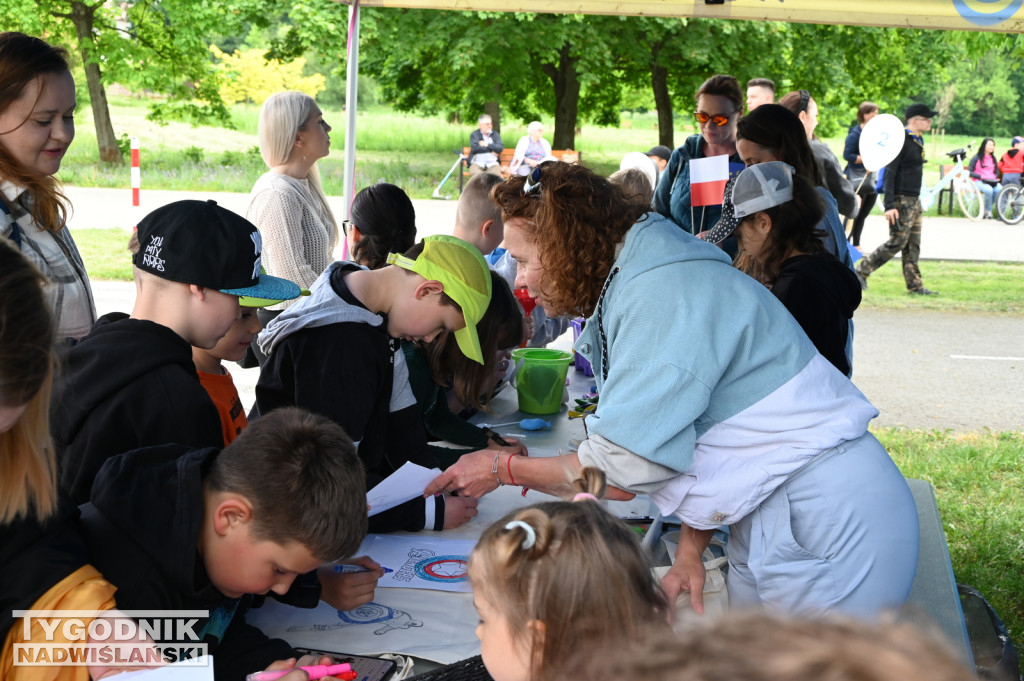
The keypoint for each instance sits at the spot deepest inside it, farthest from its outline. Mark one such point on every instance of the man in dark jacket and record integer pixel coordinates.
(485, 148)
(903, 178)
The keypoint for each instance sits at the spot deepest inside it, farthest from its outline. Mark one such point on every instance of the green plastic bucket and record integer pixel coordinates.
(540, 380)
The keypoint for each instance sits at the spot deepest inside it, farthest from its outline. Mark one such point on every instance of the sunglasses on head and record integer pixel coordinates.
(718, 119)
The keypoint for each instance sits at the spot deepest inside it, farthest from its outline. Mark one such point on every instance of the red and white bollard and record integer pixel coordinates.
(136, 177)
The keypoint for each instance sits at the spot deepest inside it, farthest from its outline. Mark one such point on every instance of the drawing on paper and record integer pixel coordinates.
(371, 613)
(443, 569)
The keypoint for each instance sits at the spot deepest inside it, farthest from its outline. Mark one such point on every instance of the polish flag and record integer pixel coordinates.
(708, 177)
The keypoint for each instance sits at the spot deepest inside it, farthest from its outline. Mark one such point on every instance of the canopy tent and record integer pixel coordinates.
(1004, 16)
(988, 15)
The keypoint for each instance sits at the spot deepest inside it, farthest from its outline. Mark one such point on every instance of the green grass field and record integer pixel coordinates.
(411, 151)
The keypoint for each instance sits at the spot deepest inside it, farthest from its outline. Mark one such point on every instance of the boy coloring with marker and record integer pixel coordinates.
(131, 382)
(179, 528)
(337, 353)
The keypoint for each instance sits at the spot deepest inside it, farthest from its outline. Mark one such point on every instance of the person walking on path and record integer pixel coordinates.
(903, 205)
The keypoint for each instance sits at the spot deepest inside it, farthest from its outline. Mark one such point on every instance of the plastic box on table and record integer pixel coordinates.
(579, 361)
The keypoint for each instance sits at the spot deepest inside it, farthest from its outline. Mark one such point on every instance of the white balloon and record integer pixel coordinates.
(642, 162)
(881, 141)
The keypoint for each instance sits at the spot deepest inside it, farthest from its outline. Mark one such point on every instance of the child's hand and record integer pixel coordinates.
(528, 328)
(458, 510)
(298, 674)
(348, 591)
(514, 447)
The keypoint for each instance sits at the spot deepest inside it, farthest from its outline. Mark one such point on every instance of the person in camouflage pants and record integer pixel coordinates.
(903, 179)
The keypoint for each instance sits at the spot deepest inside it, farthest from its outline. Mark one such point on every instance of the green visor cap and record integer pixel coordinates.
(463, 272)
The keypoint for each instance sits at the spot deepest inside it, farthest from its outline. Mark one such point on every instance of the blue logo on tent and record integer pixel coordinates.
(987, 12)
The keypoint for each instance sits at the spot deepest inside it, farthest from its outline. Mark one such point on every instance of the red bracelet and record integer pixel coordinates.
(512, 480)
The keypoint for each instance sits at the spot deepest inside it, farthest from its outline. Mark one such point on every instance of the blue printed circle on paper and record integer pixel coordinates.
(443, 569)
(997, 12)
(371, 613)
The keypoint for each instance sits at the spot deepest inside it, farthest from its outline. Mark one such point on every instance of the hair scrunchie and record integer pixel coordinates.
(585, 495)
(531, 534)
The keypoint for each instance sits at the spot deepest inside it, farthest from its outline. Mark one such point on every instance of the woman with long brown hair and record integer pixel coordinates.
(37, 125)
(712, 400)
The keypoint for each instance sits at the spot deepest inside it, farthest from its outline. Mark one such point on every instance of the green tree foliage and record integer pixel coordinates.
(158, 46)
(247, 76)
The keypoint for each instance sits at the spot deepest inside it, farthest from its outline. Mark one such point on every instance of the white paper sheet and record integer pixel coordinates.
(433, 625)
(408, 482)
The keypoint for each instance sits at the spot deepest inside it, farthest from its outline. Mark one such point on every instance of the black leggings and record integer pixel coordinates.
(867, 202)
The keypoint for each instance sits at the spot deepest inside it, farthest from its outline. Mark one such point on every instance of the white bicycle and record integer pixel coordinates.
(959, 181)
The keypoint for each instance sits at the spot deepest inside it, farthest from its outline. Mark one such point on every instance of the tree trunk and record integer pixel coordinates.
(659, 83)
(82, 17)
(493, 108)
(567, 98)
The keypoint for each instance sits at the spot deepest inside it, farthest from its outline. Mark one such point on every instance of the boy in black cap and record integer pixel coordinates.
(903, 205)
(131, 382)
(660, 155)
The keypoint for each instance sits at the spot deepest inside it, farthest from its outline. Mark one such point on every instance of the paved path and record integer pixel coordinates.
(944, 238)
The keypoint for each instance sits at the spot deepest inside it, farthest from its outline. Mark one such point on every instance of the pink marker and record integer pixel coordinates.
(317, 671)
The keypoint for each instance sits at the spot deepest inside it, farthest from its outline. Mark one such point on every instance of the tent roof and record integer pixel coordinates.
(1005, 16)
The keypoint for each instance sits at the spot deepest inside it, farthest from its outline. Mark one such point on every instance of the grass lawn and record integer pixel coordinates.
(978, 478)
(409, 150)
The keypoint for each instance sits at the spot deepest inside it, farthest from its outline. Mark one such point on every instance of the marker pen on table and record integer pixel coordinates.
(352, 569)
(317, 671)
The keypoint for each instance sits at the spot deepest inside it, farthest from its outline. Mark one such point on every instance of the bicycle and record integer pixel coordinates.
(958, 179)
(1010, 204)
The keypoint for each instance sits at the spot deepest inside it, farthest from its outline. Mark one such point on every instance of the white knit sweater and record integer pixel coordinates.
(296, 229)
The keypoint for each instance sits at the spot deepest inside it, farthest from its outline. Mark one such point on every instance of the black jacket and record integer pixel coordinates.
(495, 147)
(904, 174)
(142, 531)
(128, 384)
(821, 293)
(345, 371)
(35, 556)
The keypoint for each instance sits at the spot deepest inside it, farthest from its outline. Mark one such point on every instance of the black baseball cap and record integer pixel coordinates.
(920, 110)
(201, 243)
(661, 151)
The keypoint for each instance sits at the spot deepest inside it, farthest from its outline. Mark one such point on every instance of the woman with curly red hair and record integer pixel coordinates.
(713, 401)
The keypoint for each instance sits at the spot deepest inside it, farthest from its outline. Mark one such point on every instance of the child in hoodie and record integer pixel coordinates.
(1011, 165)
(131, 382)
(337, 353)
(178, 528)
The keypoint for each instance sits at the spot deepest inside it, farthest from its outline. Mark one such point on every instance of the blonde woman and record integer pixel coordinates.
(37, 125)
(530, 150)
(287, 204)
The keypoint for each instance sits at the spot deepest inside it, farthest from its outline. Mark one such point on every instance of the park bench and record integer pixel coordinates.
(947, 191)
(505, 158)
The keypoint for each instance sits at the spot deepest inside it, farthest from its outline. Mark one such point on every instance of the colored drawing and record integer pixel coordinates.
(444, 569)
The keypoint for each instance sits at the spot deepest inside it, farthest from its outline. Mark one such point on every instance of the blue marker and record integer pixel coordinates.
(353, 569)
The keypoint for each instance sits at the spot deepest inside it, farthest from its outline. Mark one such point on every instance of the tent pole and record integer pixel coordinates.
(351, 99)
